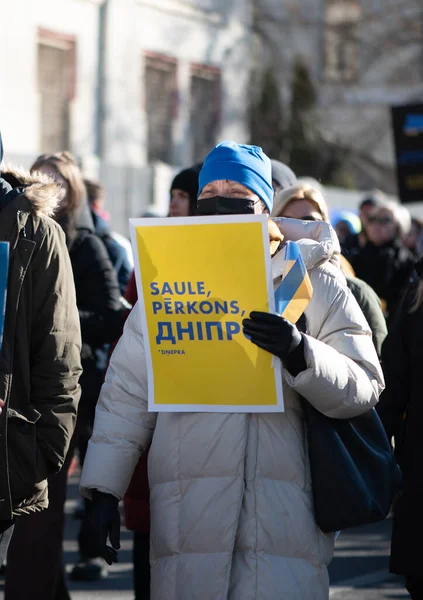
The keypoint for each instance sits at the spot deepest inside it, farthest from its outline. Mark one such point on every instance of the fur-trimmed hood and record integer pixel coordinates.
(40, 190)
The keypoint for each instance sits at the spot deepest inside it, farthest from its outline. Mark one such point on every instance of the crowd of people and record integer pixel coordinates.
(228, 498)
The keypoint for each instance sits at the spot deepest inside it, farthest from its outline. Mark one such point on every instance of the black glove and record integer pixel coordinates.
(279, 337)
(104, 522)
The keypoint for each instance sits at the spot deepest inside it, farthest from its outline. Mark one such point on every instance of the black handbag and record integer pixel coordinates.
(353, 470)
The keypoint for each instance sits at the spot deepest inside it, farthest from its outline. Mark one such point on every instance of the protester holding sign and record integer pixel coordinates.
(40, 356)
(231, 495)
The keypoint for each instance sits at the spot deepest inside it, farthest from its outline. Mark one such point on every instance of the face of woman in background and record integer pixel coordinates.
(381, 227)
(53, 173)
(302, 209)
(179, 203)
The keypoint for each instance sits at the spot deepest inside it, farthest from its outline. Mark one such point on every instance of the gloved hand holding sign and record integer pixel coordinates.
(277, 336)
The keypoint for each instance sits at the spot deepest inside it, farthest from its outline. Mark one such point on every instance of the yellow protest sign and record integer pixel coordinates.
(197, 278)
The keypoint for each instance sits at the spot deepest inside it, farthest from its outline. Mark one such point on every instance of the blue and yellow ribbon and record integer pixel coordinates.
(295, 290)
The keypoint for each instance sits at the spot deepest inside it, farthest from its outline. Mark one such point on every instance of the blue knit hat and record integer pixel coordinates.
(247, 165)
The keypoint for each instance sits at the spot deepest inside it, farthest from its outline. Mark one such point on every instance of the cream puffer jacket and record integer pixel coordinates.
(231, 497)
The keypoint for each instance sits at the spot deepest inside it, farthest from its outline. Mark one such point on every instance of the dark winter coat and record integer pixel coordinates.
(401, 410)
(370, 305)
(387, 269)
(40, 357)
(116, 252)
(98, 300)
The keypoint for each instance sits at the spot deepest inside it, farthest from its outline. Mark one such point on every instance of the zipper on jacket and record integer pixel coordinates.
(20, 229)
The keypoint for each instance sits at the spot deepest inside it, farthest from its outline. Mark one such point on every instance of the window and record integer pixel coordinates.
(205, 109)
(56, 83)
(342, 40)
(161, 97)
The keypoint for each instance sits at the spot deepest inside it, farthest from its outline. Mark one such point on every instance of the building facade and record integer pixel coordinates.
(134, 88)
(363, 57)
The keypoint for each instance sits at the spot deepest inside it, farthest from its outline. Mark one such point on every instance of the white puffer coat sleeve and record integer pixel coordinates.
(343, 376)
(123, 427)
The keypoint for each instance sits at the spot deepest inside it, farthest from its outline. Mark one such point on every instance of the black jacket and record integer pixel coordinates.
(401, 410)
(40, 356)
(116, 252)
(98, 300)
(387, 269)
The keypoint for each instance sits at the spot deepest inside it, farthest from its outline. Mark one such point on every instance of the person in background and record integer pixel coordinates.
(40, 362)
(118, 254)
(367, 205)
(282, 176)
(99, 208)
(183, 192)
(384, 262)
(346, 224)
(36, 549)
(306, 203)
(401, 412)
(414, 238)
(231, 494)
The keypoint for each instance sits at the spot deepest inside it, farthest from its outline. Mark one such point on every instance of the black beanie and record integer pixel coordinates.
(187, 181)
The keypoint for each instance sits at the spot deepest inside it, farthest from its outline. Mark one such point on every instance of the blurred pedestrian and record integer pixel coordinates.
(384, 262)
(118, 254)
(370, 201)
(231, 494)
(306, 203)
(98, 300)
(414, 238)
(346, 224)
(40, 356)
(183, 192)
(401, 411)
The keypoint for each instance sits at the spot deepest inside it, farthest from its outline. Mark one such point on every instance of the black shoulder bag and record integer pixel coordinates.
(354, 473)
(353, 470)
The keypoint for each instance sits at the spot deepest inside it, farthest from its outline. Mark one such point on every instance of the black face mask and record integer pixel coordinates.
(219, 205)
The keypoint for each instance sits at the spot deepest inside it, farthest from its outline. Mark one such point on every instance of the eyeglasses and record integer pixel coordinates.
(381, 220)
